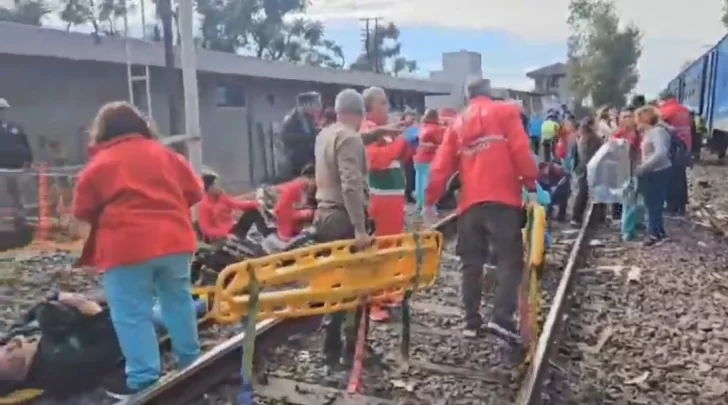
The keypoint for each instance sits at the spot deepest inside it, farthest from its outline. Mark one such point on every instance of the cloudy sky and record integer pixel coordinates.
(515, 36)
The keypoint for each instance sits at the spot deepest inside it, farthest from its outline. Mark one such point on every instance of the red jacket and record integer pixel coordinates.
(136, 194)
(216, 214)
(381, 154)
(430, 138)
(630, 136)
(489, 147)
(290, 219)
(678, 117)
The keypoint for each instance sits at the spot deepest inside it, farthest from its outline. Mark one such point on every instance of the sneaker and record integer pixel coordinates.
(506, 332)
(471, 332)
(653, 241)
(118, 389)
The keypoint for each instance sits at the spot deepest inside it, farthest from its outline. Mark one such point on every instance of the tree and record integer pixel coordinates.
(103, 15)
(261, 28)
(30, 12)
(381, 52)
(602, 55)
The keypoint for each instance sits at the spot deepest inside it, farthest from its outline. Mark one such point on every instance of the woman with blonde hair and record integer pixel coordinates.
(653, 172)
(136, 194)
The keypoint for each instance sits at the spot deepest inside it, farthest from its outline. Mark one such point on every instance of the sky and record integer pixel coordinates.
(516, 36)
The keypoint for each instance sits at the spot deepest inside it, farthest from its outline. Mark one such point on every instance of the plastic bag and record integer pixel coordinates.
(609, 172)
(633, 212)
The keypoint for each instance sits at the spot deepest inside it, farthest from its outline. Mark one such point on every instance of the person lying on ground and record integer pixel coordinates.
(217, 211)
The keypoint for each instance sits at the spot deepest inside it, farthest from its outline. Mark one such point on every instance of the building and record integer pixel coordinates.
(457, 69)
(56, 81)
(552, 80)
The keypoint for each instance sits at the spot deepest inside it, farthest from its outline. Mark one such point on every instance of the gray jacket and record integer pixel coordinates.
(655, 150)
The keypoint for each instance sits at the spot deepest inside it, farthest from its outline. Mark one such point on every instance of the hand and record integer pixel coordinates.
(362, 240)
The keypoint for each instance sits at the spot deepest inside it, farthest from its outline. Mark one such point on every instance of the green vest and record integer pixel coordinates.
(388, 182)
(548, 130)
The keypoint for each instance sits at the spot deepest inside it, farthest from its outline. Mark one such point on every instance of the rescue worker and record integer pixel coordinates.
(136, 194)
(217, 212)
(342, 197)
(299, 132)
(387, 183)
(430, 137)
(15, 153)
(549, 132)
(488, 145)
(678, 117)
(295, 208)
(699, 130)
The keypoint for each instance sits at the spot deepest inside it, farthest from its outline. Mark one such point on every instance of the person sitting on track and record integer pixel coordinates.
(294, 210)
(489, 146)
(555, 180)
(342, 199)
(136, 194)
(217, 211)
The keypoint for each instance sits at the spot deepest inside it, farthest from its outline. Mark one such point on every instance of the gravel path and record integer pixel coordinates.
(649, 324)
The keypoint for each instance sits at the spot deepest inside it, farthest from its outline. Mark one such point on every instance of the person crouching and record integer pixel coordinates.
(217, 211)
(136, 194)
(296, 205)
(553, 178)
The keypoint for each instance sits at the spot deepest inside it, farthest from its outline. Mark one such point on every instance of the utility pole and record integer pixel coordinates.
(170, 72)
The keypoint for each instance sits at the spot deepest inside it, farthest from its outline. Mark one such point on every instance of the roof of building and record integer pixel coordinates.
(554, 69)
(44, 42)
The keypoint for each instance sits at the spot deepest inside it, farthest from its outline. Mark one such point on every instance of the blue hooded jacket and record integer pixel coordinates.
(534, 127)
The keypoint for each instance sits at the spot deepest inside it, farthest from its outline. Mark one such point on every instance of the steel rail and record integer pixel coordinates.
(530, 390)
(224, 361)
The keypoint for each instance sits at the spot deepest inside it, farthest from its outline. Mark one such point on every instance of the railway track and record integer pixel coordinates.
(445, 368)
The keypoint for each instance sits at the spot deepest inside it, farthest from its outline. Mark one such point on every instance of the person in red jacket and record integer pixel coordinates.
(136, 194)
(430, 137)
(217, 213)
(296, 204)
(488, 145)
(678, 117)
(386, 175)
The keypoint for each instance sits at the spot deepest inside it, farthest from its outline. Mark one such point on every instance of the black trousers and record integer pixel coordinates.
(581, 201)
(246, 221)
(677, 190)
(409, 174)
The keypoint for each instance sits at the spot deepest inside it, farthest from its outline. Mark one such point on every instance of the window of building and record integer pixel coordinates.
(553, 82)
(229, 95)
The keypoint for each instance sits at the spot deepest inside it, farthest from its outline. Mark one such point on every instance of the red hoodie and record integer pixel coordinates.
(136, 194)
(290, 219)
(216, 214)
(430, 138)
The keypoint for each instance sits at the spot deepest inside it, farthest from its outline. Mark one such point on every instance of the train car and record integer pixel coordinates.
(691, 85)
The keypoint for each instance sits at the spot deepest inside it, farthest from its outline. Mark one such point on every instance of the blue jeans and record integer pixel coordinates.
(130, 292)
(653, 186)
(422, 177)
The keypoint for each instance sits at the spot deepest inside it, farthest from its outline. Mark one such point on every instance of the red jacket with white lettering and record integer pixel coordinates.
(136, 194)
(431, 134)
(488, 145)
(290, 219)
(678, 117)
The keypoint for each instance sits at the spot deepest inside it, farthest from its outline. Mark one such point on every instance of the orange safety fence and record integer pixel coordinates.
(35, 209)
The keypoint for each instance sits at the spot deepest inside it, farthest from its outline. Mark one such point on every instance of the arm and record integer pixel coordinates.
(350, 161)
(242, 205)
(443, 166)
(86, 202)
(581, 150)
(285, 210)
(661, 153)
(188, 180)
(379, 157)
(520, 150)
(207, 223)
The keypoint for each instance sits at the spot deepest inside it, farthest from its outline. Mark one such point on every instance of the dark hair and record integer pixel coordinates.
(208, 179)
(118, 119)
(586, 124)
(309, 170)
(431, 115)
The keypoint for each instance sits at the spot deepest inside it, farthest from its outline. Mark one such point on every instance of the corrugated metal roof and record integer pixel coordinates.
(19, 39)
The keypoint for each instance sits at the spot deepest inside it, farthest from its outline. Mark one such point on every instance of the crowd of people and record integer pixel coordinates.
(349, 181)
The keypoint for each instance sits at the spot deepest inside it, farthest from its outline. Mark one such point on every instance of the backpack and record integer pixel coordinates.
(679, 153)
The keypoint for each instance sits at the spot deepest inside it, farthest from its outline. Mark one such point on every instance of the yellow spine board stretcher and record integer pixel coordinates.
(25, 395)
(534, 242)
(327, 278)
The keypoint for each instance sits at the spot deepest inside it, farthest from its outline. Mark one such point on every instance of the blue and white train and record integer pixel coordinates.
(703, 88)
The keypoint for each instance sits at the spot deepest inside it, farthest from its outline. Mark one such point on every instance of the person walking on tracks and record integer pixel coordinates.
(487, 143)
(136, 194)
(342, 196)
